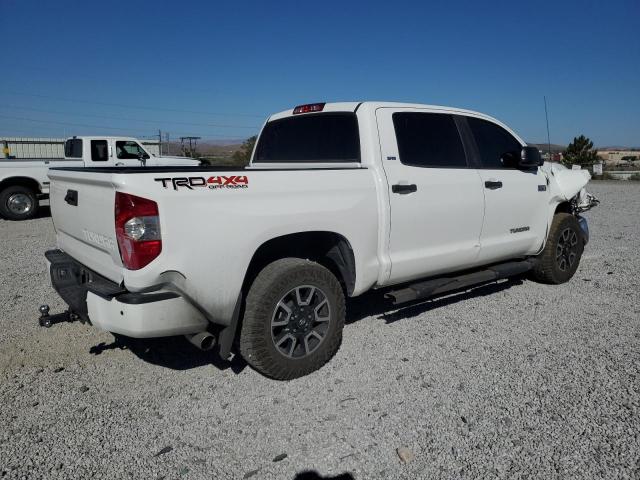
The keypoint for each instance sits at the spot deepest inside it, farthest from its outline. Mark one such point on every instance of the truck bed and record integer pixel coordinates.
(157, 169)
(205, 168)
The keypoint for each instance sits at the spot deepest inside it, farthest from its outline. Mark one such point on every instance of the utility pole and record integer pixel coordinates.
(193, 143)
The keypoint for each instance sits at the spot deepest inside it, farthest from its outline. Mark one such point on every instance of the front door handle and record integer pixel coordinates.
(403, 188)
(492, 185)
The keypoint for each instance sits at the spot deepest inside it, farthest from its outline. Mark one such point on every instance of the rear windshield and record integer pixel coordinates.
(73, 148)
(323, 137)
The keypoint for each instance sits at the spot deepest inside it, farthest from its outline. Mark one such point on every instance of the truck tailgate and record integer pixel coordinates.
(82, 208)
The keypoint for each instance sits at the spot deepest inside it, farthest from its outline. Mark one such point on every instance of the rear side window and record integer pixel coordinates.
(497, 147)
(73, 148)
(99, 151)
(428, 140)
(324, 137)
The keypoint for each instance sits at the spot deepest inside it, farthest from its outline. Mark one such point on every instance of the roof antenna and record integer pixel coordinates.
(547, 117)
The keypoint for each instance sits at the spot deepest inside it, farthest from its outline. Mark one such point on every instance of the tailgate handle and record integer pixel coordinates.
(71, 197)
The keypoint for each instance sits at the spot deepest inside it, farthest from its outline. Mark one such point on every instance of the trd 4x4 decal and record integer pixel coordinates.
(212, 183)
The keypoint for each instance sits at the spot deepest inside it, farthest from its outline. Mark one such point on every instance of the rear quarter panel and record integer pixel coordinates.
(210, 235)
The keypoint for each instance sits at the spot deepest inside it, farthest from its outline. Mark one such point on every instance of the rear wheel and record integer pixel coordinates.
(561, 255)
(293, 319)
(18, 203)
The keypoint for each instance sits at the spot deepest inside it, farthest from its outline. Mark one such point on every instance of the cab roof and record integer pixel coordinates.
(106, 137)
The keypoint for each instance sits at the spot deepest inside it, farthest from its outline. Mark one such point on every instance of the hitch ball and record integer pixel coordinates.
(45, 319)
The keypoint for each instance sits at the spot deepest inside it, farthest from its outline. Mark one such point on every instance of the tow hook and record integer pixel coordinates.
(47, 320)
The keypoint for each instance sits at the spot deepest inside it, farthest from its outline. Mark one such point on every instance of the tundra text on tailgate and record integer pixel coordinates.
(338, 199)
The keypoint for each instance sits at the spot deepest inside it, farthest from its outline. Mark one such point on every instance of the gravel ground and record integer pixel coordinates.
(516, 380)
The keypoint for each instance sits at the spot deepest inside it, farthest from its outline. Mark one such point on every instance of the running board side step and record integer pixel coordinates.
(436, 286)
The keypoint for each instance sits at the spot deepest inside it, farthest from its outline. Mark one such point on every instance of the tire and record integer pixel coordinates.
(284, 337)
(18, 203)
(561, 255)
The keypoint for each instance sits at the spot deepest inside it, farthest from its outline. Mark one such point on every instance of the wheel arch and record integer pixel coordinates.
(563, 207)
(26, 182)
(330, 249)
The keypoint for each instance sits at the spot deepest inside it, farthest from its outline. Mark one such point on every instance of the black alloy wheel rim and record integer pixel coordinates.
(567, 249)
(300, 321)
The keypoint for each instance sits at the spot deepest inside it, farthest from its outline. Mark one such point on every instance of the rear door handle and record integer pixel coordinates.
(492, 185)
(403, 188)
(71, 197)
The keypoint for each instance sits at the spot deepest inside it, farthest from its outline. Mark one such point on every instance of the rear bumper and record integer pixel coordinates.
(111, 307)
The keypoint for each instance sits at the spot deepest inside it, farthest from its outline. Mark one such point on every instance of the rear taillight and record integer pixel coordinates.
(137, 230)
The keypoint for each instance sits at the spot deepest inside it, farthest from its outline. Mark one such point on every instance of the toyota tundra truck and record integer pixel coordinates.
(338, 199)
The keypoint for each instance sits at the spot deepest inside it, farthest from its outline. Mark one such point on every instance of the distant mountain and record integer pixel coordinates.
(618, 147)
(561, 148)
(223, 141)
(555, 148)
(223, 149)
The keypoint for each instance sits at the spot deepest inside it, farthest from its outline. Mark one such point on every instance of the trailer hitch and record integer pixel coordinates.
(45, 320)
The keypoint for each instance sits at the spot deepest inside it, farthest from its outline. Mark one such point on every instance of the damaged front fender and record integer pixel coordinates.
(568, 186)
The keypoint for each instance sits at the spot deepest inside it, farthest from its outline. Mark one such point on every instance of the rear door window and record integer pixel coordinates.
(428, 140)
(73, 148)
(99, 151)
(323, 137)
(497, 147)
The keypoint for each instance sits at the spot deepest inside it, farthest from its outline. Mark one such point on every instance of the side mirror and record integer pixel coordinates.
(530, 157)
(143, 159)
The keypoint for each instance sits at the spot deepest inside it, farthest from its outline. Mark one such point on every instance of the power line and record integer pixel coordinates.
(101, 126)
(140, 107)
(164, 122)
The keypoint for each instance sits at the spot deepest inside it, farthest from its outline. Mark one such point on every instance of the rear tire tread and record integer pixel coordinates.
(6, 193)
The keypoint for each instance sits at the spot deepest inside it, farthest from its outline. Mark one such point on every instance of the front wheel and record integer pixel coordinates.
(18, 203)
(293, 319)
(561, 255)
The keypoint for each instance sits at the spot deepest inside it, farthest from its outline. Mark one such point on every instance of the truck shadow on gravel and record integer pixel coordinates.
(177, 353)
(313, 475)
(374, 303)
(43, 212)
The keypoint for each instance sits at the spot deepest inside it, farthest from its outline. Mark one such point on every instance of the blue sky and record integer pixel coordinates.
(217, 69)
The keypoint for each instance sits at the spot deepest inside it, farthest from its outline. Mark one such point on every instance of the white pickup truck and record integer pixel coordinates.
(338, 199)
(24, 182)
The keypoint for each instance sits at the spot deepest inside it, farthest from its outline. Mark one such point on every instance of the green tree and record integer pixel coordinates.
(580, 152)
(242, 156)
